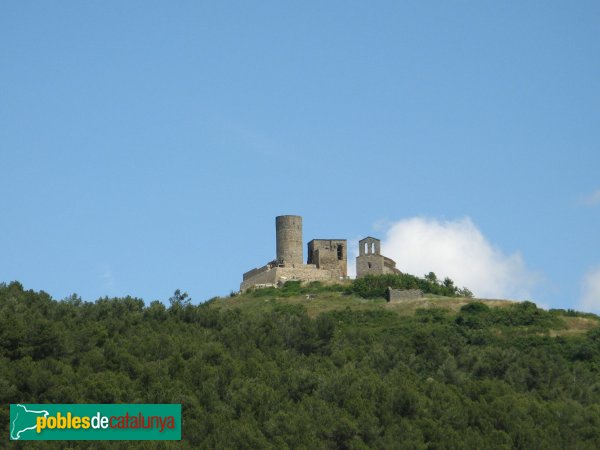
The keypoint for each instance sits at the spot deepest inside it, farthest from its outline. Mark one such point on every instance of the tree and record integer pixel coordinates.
(449, 283)
(432, 277)
(465, 292)
(179, 300)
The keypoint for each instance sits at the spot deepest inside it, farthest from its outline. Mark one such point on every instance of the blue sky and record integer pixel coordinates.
(148, 146)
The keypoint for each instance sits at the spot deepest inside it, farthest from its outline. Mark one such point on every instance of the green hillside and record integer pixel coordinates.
(330, 298)
(313, 367)
(316, 299)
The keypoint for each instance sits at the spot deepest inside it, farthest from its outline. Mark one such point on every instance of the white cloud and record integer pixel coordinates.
(457, 249)
(590, 299)
(592, 199)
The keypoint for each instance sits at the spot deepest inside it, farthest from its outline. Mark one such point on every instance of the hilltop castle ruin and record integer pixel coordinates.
(327, 258)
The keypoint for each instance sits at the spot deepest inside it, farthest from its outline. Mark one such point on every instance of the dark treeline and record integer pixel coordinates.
(482, 378)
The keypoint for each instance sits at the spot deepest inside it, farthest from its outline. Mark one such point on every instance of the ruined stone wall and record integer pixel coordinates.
(254, 272)
(276, 275)
(264, 275)
(398, 295)
(306, 273)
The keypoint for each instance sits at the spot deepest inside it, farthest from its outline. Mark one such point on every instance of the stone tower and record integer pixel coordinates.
(288, 230)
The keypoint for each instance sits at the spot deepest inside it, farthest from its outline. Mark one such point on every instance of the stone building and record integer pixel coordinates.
(370, 261)
(327, 258)
(329, 254)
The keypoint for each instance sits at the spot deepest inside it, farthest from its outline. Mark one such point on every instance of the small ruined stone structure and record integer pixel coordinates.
(398, 295)
(370, 261)
(327, 258)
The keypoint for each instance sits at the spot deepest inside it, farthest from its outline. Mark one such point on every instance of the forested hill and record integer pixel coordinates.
(313, 367)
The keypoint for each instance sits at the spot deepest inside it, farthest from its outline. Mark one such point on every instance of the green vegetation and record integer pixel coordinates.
(295, 288)
(349, 373)
(372, 286)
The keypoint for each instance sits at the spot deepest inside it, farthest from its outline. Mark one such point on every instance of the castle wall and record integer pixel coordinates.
(254, 272)
(264, 275)
(275, 275)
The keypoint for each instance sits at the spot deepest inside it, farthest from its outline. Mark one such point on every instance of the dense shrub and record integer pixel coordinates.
(479, 315)
(372, 286)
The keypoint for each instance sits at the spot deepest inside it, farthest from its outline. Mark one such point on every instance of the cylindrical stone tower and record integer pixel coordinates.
(288, 230)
